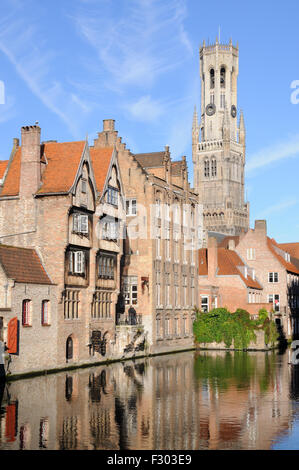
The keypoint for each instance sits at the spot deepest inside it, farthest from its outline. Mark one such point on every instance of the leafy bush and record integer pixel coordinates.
(237, 329)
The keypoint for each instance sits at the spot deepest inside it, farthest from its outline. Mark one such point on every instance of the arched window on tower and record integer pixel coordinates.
(207, 168)
(212, 78)
(214, 167)
(222, 77)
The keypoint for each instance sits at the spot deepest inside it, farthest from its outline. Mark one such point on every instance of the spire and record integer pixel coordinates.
(242, 131)
(226, 124)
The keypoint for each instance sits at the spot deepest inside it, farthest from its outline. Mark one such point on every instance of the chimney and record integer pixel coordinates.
(260, 226)
(30, 177)
(108, 137)
(212, 257)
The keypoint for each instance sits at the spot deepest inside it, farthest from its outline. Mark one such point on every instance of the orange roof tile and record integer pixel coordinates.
(228, 262)
(23, 265)
(291, 248)
(288, 265)
(12, 180)
(63, 162)
(3, 166)
(62, 165)
(101, 158)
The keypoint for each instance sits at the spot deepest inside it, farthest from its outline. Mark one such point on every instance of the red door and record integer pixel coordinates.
(12, 336)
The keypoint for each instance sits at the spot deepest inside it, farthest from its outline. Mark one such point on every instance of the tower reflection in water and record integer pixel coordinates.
(206, 400)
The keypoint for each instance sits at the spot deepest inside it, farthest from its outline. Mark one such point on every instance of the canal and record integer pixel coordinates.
(190, 400)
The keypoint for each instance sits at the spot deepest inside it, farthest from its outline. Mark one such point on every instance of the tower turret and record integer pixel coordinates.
(219, 155)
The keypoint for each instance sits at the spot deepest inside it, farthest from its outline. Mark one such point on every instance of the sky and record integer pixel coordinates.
(69, 64)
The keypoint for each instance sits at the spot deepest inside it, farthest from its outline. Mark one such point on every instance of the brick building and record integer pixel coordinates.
(226, 281)
(65, 200)
(159, 273)
(277, 271)
(28, 310)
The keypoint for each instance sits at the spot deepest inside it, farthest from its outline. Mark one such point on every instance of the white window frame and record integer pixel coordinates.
(273, 275)
(77, 262)
(131, 207)
(80, 223)
(130, 290)
(206, 303)
(250, 253)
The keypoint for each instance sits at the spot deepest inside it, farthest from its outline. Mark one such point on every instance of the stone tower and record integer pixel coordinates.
(218, 142)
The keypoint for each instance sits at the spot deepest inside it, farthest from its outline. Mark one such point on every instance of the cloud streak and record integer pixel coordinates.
(274, 153)
(23, 47)
(146, 39)
(278, 208)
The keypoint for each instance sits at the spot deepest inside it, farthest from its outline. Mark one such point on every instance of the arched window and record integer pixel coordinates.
(69, 348)
(207, 168)
(222, 77)
(212, 78)
(214, 167)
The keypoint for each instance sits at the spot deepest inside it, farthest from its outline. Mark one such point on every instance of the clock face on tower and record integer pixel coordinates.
(234, 111)
(210, 109)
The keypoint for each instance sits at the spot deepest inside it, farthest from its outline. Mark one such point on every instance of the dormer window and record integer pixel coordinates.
(287, 257)
(80, 223)
(112, 196)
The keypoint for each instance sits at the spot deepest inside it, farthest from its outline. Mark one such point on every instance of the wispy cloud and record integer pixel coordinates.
(280, 151)
(145, 109)
(24, 47)
(277, 208)
(146, 39)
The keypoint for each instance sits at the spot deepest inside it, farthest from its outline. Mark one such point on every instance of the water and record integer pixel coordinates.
(207, 400)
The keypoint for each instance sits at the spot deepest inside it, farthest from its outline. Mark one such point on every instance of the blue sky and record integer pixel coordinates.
(69, 64)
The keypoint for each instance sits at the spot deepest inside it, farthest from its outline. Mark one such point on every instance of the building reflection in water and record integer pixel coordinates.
(204, 400)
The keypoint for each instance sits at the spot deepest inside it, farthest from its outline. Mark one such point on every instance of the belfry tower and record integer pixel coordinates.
(218, 142)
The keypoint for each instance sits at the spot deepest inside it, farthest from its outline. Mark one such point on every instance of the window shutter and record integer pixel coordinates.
(84, 223)
(79, 262)
(12, 336)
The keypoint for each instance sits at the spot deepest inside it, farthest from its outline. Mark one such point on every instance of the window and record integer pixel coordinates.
(222, 100)
(45, 312)
(106, 266)
(214, 167)
(167, 244)
(158, 327)
(83, 186)
(212, 98)
(185, 292)
(222, 77)
(110, 228)
(273, 277)
(26, 312)
(101, 304)
(71, 304)
(287, 257)
(80, 223)
(76, 262)
(131, 207)
(167, 290)
(212, 78)
(130, 290)
(274, 299)
(250, 253)
(167, 324)
(112, 196)
(158, 245)
(176, 327)
(204, 303)
(207, 168)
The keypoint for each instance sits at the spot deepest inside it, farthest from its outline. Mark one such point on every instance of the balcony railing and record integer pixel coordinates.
(129, 320)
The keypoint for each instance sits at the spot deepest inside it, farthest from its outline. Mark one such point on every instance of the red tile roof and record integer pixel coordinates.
(101, 158)
(12, 179)
(225, 241)
(62, 165)
(291, 248)
(23, 265)
(228, 262)
(288, 265)
(3, 166)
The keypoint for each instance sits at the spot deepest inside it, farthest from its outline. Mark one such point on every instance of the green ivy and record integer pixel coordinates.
(237, 329)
